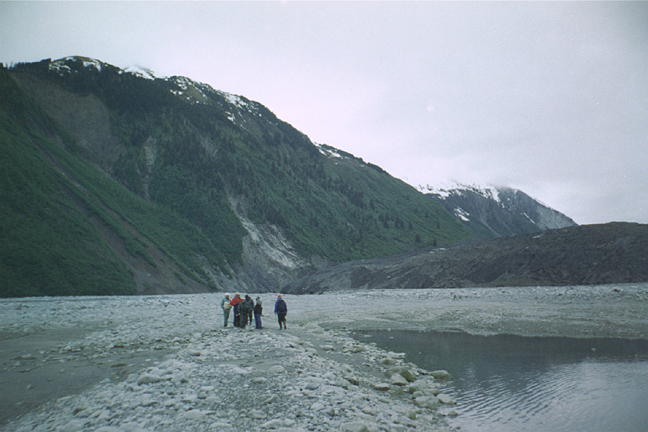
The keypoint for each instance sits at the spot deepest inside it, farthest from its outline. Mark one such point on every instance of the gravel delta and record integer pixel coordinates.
(165, 363)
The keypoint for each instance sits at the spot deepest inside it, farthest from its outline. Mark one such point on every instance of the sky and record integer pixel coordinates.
(547, 97)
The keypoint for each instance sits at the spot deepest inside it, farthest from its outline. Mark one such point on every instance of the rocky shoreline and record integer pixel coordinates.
(258, 380)
(166, 364)
(218, 379)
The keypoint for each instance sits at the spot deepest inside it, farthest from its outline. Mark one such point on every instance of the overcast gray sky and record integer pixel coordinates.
(547, 97)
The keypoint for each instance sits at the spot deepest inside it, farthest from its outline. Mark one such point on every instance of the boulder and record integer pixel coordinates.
(446, 399)
(273, 424)
(382, 386)
(312, 385)
(397, 379)
(427, 402)
(256, 414)
(403, 371)
(418, 385)
(147, 378)
(441, 375)
(355, 426)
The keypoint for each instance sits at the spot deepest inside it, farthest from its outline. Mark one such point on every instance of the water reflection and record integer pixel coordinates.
(512, 383)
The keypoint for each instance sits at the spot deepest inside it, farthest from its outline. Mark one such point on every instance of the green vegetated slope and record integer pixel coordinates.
(47, 244)
(179, 153)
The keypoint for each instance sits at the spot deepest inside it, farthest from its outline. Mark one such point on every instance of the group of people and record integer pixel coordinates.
(245, 309)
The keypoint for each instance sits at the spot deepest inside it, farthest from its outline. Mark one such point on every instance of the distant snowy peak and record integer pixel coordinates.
(191, 91)
(496, 211)
(65, 66)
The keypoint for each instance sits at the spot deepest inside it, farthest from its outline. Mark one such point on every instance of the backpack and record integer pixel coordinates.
(281, 307)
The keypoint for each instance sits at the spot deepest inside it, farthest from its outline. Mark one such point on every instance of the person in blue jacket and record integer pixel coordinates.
(258, 311)
(281, 310)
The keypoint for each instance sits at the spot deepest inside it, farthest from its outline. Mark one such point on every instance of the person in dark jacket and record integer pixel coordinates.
(281, 310)
(246, 307)
(250, 316)
(258, 311)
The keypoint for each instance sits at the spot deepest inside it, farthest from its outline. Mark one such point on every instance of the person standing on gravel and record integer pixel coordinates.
(281, 310)
(246, 307)
(258, 311)
(242, 314)
(250, 316)
(226, 305)
(236, 303)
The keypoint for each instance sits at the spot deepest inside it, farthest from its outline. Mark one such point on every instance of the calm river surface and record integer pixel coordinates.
(513, 383)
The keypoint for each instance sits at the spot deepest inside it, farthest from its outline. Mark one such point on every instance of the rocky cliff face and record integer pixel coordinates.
(584, 255)
(496, 212)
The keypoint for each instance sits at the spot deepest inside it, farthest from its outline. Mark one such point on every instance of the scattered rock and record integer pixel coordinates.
(446, 399)
(427, 402)
(354, 427)
(441, 375)
(256, 414)
(403, 371)
(312, 385)
(273, 424)
(397, 379)
(382, 386)
(194, 414)
(272, 399)
(317, 406)
(147, 378)
(352, 379)
(369, 410)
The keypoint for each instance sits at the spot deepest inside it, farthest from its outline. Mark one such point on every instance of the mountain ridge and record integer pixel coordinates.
(118, 182)
(181, 187)
(490, 211)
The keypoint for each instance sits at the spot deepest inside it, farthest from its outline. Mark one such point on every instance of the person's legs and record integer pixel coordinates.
(257, 319)
(226, 313)
(282, 320)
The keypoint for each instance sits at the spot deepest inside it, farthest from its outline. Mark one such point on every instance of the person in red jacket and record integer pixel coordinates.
(235, 305)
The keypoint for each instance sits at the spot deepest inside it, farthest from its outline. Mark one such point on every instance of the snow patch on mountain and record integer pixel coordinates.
(454, 188)
(329, 151)
(462, 214)
(140, 71)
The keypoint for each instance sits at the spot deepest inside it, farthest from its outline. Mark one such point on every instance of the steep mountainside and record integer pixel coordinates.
(119, 183)
(496, 212)
(584, 255)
